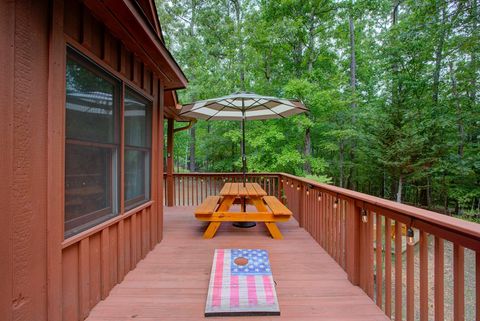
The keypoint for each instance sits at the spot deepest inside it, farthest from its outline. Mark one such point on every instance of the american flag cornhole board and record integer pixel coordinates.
(241, 289)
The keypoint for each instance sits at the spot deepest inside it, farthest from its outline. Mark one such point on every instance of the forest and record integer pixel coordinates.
(392, 88)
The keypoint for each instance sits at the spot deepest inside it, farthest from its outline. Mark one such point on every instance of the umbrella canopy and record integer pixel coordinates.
(243, 106)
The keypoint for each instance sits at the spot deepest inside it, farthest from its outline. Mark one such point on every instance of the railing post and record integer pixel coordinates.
(170, 162)
(352, 243)
(279, 188)
(301, 204)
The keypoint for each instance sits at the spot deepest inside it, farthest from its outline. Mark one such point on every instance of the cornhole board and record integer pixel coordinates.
(241, 283)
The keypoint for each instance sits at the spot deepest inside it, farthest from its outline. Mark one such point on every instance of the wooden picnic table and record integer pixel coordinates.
(216, 209)
(232, 192)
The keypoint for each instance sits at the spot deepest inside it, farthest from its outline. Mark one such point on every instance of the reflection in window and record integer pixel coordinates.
(91, 153)
(137, 148)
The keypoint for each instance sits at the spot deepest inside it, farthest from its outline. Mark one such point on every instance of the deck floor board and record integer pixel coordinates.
(171, 283)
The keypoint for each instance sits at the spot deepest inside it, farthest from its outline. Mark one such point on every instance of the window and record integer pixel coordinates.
(92, 145)
(138, 119)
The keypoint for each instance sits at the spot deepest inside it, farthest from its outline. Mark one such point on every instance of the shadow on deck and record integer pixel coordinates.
(171, 282)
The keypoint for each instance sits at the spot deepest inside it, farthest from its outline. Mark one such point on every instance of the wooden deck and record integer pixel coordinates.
(171, 282)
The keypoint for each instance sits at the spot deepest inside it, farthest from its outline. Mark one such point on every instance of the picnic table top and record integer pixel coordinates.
(237, 189)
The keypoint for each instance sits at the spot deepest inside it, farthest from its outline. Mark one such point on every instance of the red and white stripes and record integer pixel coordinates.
(238, 292)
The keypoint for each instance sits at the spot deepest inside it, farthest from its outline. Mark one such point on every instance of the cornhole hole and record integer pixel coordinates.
(241, 283)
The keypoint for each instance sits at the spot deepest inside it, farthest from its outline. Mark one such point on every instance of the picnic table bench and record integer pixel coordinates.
(216, 209)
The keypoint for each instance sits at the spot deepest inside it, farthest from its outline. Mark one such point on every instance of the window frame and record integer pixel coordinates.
(109, 212)
(147, 195)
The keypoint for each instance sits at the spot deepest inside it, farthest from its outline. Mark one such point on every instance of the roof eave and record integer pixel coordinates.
(124, 20)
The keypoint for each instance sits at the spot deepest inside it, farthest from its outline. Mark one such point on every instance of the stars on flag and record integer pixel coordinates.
(257, 262)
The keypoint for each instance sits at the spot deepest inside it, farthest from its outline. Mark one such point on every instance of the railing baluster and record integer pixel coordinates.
(439, 281)
(329, 224)
(410, 283)
(342, 228)
(334, 229)
(316, 208)
(423, 276)
(331, 228)
(458, 283)
(339, 231)
(321, 218)
(179, 192)
(188, 189)
(176, 199)
(325, 218)
(398, 271)
(193, 193)
(198, 197)
(379, 263)
(183, 191)
(477, 282)
(191, 190)
(371, 257)
(388, 267)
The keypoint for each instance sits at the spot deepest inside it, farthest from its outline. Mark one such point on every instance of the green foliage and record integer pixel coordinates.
(412, 121)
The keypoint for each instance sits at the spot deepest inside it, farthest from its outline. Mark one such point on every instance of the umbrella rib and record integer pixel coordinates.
(224, 106)
(209, 104)
(302, 108)
(252, 105)
(271, 110)
(193, 109)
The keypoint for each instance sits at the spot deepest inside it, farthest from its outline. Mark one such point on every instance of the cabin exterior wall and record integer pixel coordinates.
(45, 276)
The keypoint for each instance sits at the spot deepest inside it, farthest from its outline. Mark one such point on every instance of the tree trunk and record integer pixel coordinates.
(307, 152)
(353, 62)
(473, 55)
(191, 30)
(191, 166)
(384, 183)
(429, 192)
(340, 163)
(240, 41)
(399, 188)
(311, 41)
(395, 85)
(458, 107)
(353, 86)
(439, 53)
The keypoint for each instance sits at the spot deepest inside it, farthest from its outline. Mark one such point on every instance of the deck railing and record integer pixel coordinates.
(190, 189)
(419, 276)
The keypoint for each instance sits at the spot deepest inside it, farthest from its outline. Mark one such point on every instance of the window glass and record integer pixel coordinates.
(90, 105)
(138, 120)
(88, 184)
(135, 164)
(91, 151)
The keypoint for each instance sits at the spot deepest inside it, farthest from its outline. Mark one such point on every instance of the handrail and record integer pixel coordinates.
(224, 174)
(407, 214)
(414, 215)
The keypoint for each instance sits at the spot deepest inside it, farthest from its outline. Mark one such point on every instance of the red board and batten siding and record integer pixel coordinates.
(23, 161)
(97, 259)
(43, 276)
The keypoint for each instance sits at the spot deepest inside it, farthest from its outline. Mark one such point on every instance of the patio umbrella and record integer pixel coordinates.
(243, 106)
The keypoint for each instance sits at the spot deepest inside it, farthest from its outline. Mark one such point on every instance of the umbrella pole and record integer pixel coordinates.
(244, 156)
(244, 163)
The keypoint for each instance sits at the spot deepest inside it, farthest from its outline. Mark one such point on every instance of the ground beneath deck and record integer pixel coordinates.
(171, 282)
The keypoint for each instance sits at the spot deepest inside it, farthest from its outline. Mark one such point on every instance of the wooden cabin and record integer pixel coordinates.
(86, 87)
